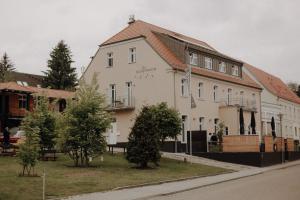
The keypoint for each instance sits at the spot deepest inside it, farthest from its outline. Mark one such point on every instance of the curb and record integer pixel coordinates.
(278, 167)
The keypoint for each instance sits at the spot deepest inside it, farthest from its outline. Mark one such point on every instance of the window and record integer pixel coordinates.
(184, 87)
(235, 70)
(200, 90)
(201, 123)
(215, 93)
(222, 67)
(208, 63)
(183, 130)
(22, 101)
(112, 94)
(193, 59)
(242, 98)
(229, 96)
(132, 55)
(110, 59)
(128, 97)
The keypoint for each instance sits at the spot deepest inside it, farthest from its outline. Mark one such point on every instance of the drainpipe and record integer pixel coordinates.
(174, 93)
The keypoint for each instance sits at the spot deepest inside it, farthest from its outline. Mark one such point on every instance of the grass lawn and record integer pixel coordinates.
(63, 180)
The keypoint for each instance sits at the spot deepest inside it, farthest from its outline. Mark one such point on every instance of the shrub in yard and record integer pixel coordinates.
(44, 120)
(83, 124)
(168, 121)
(29, 149)
(144, 139)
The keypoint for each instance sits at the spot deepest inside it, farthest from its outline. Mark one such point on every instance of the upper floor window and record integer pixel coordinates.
(22, 101)
(132, 55)
(229, 96)
(184, 87)
(110, 59)
(201, 123)
(208, 62)
(112, 94)
(222, 67)
(193, 59)
(200, 90)
(215, 93)
(235, 70)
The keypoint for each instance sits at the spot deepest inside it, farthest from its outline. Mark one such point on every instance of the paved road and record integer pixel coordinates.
(282, 184)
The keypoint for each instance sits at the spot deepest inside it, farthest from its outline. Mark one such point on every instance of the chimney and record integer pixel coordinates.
(131, 19)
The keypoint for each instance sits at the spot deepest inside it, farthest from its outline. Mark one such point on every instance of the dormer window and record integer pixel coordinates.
(208, 63)
(235, 70)
(222, 67)
(193, 58)
(110, 59)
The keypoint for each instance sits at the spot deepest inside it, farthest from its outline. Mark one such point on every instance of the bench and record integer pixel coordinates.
(47, 155)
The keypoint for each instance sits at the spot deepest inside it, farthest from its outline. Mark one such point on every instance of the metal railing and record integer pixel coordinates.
(245, 103)
(121, 102)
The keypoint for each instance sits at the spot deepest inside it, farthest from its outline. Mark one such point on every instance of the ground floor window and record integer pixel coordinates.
(22, 101)
(184, 121)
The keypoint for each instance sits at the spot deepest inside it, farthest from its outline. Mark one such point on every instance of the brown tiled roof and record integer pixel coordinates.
(143, 29)
(59, 94)
(273, 84)
(31, 79)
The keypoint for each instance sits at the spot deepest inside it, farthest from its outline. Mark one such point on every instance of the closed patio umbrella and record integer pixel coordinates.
(273, 127)
(253, 123)
(242, 123)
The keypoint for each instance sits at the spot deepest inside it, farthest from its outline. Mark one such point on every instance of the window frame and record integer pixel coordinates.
(22, 101)
(208, 60)
(132, 55)
(235, 70)
(200, 90)
(222, 65)
(215, 93)
(110, 59)
(184, 87)
(193, 58)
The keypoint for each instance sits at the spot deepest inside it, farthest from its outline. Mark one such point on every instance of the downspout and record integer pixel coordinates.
(174, 99)
(260, 113)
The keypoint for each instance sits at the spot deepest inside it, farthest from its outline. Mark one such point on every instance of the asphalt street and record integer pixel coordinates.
(281, 184)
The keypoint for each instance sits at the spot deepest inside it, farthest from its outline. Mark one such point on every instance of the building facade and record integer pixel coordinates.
(145, 64)
(279, 102)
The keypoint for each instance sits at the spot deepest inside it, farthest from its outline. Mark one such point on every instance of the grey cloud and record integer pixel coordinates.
(263, 33)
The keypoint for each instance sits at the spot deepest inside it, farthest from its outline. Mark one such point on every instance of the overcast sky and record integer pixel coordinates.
(264, 33)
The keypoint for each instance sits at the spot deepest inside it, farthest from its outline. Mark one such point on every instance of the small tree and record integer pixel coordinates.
(168, 121)
(45, 121)
(144, 139)
(29, 149)
(6, 67)
(60, 75)
(83, 124)
(220, 133)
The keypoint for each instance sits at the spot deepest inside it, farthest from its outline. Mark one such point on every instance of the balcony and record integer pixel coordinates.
(121, 103)
(245, 103)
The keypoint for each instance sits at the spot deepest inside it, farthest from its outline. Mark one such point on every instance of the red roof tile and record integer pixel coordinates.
(60, 94)
(273, 84)
(143, 29)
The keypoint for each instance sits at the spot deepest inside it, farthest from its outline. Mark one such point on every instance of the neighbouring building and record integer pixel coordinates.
(277, 100)
(16, 98)
(145, 64)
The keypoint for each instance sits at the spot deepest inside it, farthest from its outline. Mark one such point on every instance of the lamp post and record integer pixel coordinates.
(280, 115)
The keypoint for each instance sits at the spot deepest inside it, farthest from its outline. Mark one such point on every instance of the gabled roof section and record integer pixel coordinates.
(31, 79)
(273, 84)
(51, 93)
(149, 32)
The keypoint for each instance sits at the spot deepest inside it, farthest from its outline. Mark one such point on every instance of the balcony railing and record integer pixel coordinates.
(245, 103)
(121, 103)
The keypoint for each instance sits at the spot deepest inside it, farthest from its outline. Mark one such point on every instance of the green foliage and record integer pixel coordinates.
(220, 133)
(60, 74)
(45, 121)
(83, 124)
(168, 121)
(144, 139)
(6, 67)
(29, 149)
